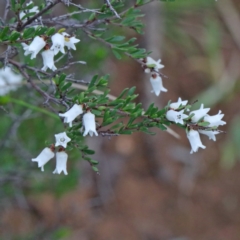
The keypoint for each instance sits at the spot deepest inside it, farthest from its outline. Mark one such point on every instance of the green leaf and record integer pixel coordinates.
(62, 77)
(93, 81)
(116, 54)
(95, 169)
(50, 31)
(28, 32)
(131, 91)
(66, 86)
(4, 32)
(28, 15)
(14, 36)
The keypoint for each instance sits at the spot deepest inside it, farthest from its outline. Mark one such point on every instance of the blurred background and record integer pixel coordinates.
(149, 187)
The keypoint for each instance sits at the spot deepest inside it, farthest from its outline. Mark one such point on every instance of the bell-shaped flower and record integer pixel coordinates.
(71, 114)
(175, 116)
(179, 103)
(157, 86)
(62, 139)
(215, 120)
(35, 47)
(48, 60)
(44, 157)
(210, 133)
(58, 43)
(89, 124)
(9, 80)
(61, 163)
(195, 140)
(152, 64)
(70, 42)
(200, 113)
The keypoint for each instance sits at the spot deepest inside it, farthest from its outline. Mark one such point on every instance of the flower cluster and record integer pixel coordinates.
(89, 124)
(59, 41)
(151, 66)
(88, 119)
(196, 122)
(9, 80)
(49, 152)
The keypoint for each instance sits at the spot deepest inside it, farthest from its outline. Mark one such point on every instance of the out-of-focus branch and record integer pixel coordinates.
(231, 18)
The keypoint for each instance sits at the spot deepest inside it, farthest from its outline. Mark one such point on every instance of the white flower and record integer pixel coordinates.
(195, 141)
(61, 163)
(32, 10)
(71, 114)
(215, 120)
(156, 82)
(44, 157)
(62, 139)
(200, 113)
(58, 43)
(9, 80)
(210, 133)
(35, 47)
(48, 60)
(69, 42)
(179, 103)
(152, 64)
(89, 124)
(175, 116)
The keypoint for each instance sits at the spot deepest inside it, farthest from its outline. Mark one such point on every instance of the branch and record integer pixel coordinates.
(30, 20)
(112, 9)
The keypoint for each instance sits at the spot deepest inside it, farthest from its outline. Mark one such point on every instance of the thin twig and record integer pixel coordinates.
(112, 9)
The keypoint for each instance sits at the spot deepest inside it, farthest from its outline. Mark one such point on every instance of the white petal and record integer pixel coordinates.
(72, 113)
(175, 116)
(43, 157)
(62, 139)
(195, 141)
(200, 113)
(179, 103)
(157, 85)
(58, 43)
(36, 46)
(48, 60)
(210, 133)
(61, 163)
(89, 124)
(215, 120)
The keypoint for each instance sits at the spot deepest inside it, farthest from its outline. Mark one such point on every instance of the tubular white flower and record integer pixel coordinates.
(210, 133)
(71, 114)
(48, 60)
(179, 103)
(150, 62)
(58, 43)
(61, 163)
(215, 120)
(62, 139)
(200, 113)
(157, 86)
(35, 47)
(69, 42)
(9, 80)
(195, 141)
(43, 157)
(89, 124)
(175, 116)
